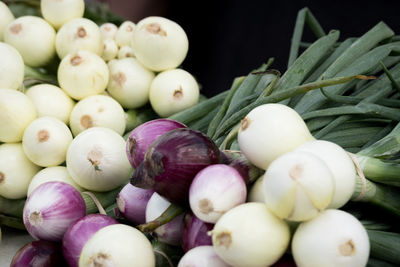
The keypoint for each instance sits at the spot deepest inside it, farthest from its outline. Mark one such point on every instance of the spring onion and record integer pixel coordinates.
(110, 50)
(6, 18)
(39, 252)
(202, 256)
(195, 232)
(124, 33)
(125, 51)
(11, 66)
(57, 13)
(108, 30)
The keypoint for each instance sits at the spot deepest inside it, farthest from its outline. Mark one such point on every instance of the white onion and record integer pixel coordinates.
(172, 91)
(269, 131)
(16, 171)
(110, 49)
(125, 51)
(46, 141)
(51, 100)
(16, 112)
(256, 192)
(79, 34)
(34, 38)
(96, 159)
(11, 67)
(124, 34)
(201, 256)
(97, 110)
(83, 74)
(117, 245)
(6, 17)
(59, 12)
(108, 30)
(250, 235)
(159, 43)
(129, 82)
(334, 238)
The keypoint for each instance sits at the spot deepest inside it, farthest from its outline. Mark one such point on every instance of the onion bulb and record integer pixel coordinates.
(256, 192)
(108, 30)
(110, 49)
(159, 43)
(195, 232)
(124, 33)
(34, 38)
(97, 110)
(38, 253)
(298, 186)
(250, 235)
(16, 112)
(11, 66)
(173, 91)
(59, 12)
(333, 238)
(125, 51)
(16, 171)
(6, 17)
(129, 82)
(270, 130)
(79, 34)
(202, 256)
(51, 100)
(82, 74)
(117, 245)
(97, 161)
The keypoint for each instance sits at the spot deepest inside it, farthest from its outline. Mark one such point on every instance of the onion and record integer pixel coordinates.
(334, 238)
(173, 91)
(46, 141)
(129, 82)
(171, 232)
(108, 30)
(49, 174)
(97, 161)
(124, 33)
(195, 232)
(51, 208)
(144, 135)
(125, 51)
(256, 192)
(132, 202)
(11, 65)
(79, 232)
(159, 43)
(237, 160)
(269, 131)
(110, 49)
(215, 190)
(51, 100)
(97, 110)
(34, 39)
(16, 171)
(82, 74)
(250, 235)
(298, 185)
(202, 256)
(38, 253)
(59, 12)
(79, 34)
(6, 17)
(173, 160)
(117, 245)
(16, 112)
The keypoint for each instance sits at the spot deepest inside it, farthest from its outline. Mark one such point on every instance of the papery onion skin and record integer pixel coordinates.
(79, 233)
(195, 232)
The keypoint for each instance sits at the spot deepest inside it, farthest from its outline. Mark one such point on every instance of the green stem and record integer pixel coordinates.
(168, 215)
(12, 222)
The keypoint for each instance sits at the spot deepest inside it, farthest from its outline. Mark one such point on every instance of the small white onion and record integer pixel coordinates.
(34, 38)
(59, 12)
(201, 256)
(124, 34)
(46, 141)
(16, 171)
(172, 91)
(97, 110)
(108, 30)
(110, 49)
(334, 238)
(51, 100)
(82, 74)
(96, 159)
(129, 82)
(125, 51)
(6, 17)
(11, 67)
(256, 192)
(16, 112)
(79, 34)
(50, 174)
(159, 43)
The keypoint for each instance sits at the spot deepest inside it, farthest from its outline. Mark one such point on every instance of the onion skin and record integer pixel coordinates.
(195, 232)
(237, 160)
(172, 162)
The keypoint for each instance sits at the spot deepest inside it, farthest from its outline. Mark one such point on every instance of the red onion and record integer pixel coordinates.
(144, 135)
(173, 160)
(51, 208)
(195, 232)
(132, 203)
(79, 232)
(237, 160)
(38, 253)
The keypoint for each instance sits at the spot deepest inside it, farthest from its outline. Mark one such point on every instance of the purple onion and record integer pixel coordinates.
(237, 160)
(132, 202)
(195, 232)
(144, 135)
(202, 256)
(79, 232)
(173, 160)
(51, 208)
(38, 253)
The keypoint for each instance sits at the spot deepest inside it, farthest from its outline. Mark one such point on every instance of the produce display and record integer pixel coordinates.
(111, 156)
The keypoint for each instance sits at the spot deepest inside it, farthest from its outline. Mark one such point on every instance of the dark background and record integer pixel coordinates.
(230, 38)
